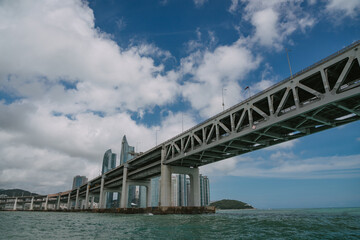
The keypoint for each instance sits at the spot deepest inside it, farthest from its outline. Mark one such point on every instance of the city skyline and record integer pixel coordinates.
(76, 76)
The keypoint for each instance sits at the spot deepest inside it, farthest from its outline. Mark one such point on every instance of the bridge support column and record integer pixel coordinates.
(32, 204)
(148, 195)
(69, 201)
(125, 190)
(92, 202)
(15, 204)
(165, 186)
(58, 202)
(195, 187)
(102, 195)
(77, 199)
(87, 196)
(46, 203)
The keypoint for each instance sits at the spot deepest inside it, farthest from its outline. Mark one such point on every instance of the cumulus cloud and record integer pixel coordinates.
(274, 21)
(73, 87)
(56, 41)
(350, 8)
(222, 68)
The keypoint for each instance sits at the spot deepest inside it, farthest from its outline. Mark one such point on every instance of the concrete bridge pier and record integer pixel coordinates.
(165, 184)
(77, 199)
(87, 196)
(92, 202)
(32, 204)
(124, 190)
(58, 201)
(46, 203)
(69, 201)
(102, 193)
(15, 204)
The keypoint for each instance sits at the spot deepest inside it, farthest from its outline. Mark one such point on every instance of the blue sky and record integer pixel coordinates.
(75, 76)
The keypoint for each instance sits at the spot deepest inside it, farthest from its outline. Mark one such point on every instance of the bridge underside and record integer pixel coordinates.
(320, 119)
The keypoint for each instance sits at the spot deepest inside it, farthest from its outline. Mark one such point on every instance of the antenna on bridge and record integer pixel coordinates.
(287, 55)
(222, 94)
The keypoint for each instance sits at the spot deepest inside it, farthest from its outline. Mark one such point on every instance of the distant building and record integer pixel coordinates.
(109, 162)
(78, 181)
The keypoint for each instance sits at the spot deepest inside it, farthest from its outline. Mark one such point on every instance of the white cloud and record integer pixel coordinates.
(284, 145)
(199, 3)
(265, 22)
(57, 40)
(63, 70)
(234, 6)
(287, 166)
(350, 8)
(275, 20)
(37, 146)
(214, 70)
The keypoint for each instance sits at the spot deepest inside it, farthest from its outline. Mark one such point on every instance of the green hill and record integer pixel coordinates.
(16, 192)
(231, 204)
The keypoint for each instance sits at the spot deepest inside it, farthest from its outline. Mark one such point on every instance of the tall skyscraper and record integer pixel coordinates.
(182, 190)
(78, 181)
(109, 162)
(204, 190)
(155, 190)
(127, 153)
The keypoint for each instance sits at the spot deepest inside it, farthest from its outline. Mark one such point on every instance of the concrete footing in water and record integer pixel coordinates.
(148, 210)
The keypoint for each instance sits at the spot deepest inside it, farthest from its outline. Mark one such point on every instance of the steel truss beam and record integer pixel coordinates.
(299, 106)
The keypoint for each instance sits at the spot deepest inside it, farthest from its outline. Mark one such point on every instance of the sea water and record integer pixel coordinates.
(337, 223)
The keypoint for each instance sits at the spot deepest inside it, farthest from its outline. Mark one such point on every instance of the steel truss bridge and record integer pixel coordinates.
(322, 96)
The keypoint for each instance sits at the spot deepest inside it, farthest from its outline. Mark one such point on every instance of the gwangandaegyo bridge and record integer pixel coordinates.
(322, 96)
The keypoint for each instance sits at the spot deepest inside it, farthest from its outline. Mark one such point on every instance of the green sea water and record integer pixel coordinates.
(337, 223)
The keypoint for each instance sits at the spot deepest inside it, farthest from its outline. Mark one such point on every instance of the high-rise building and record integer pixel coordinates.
(174, 190)
(127, 153)
(204, 190)
(78, 181)
(182, 190)
(155, 190)
(109, 162)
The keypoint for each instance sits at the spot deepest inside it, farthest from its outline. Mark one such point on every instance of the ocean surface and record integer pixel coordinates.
(336, 223)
